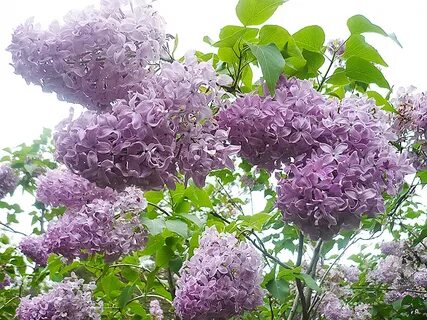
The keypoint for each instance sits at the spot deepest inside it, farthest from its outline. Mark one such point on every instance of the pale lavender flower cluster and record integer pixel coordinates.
(333, 308)
(402, 270)
(34, 248)
(108, 227)
(167, 124)
(8, 180)
(272, 131)
(60, 187)
(221, 280)
(410, 123)
(5, 282)
(70, 299)
(94, 57)
(336, 154)
(156, 311)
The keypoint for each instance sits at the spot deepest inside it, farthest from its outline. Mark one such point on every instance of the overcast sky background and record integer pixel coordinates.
(25, 110)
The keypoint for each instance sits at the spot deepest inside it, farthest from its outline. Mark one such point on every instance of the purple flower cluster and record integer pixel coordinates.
(8, 180)
(402, 270)
(336, 154)
(63, 188)
(156, 311)
(109, 227)
(94, 57)
(5, 282)
(272, 131)
(70, 299)
(410, 123)
(333, 309)
(165, 125)
(35, 249)
(221, 280)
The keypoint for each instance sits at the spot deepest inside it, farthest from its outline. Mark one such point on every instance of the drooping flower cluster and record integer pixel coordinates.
(5, 282)
(70, 299)
(63, 188)
(410, 123)
(35, 249)
(109, 227)
(156, 311)
(337, 156)
(221, 280)
(94, 57)
(332, 308)
(8, 180)
(402, 270)
(167, 124)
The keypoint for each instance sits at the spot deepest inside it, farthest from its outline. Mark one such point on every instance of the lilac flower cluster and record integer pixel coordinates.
(35, 249)
(402, 270)
(165, 125)
(70, 299)
(5, 282)
(94, 57)
(156, 311)
(410, 123)
(111, 228)
(63, 188)
(221, 280)
(8, 180)
(336, 154)
(332, 308)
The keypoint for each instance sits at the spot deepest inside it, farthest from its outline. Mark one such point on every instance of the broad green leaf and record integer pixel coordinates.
(310, 38)
(360, 24)
(271, 62)
(199, 197)
(154, 242)
(154, 226)
(230, 35)
(338, 77)
(381, 101)
(278, 288)
(125, 296)
(358, 47)
(361, 70)
(309, 281)
(256, 12)
(163, 255)
(294, 64)
(247, 76)
(111, 285)
(273, 34)
(422, 174)
(255, 221)
(314, 61)
(227, 55)
(177, 226)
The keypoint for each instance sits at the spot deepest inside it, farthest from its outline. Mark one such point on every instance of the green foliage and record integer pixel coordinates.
(256, 12)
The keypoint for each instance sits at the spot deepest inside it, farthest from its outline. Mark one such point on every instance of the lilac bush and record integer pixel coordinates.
(222, 279)
(69, 299)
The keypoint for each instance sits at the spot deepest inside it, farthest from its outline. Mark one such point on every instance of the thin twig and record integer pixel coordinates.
(10, 229)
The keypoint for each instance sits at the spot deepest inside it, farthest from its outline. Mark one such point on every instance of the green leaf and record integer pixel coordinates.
(271, 62)
(111, 285)
(199, 197)
(310, 38)
(338, 77)
(358, 47)
(163, 255)
(255, 221)
(278, 288)
(381, 101)
(273, 34)
(422, 174)
(125, 296)
(361, 70)
(230, 35)
(309, 281)
(177, 226)
(154, 242)
(256, 12)
(360, 24)
(154, 226)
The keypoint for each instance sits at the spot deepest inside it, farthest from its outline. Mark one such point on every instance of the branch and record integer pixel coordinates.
(10, 229)
(159, 208)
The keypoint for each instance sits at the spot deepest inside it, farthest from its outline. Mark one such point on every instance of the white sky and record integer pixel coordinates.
(25, 110)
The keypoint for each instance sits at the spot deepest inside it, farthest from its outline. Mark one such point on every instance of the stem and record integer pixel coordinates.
(10, 229)
(159, 208)
(300, 285)
(271, 307)
(171, 284)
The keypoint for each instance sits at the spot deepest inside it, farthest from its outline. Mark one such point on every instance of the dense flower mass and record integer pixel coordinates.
(403, 271)
(70, 299)
(105, 227)
(221, 280)
(156, 311)
(167, 124)
(410, 123)
(35, 249)
(63, 188)
(272, 131)
(94, 57)
(8, 180)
